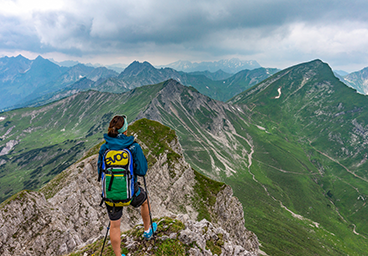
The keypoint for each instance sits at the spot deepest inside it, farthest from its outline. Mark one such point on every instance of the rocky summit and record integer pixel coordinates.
(64, 216)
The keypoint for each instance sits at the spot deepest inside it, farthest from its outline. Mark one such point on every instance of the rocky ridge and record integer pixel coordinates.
(65, 214)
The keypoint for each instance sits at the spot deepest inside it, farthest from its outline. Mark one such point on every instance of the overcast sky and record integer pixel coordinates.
(275, 33)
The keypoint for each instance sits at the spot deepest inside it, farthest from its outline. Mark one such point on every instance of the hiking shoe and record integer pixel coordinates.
(148, 235)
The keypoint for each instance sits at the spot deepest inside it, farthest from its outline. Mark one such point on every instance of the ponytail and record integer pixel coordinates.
(112, 132)
(115, 124)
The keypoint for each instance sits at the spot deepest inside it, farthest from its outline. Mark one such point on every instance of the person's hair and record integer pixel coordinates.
(115, 124)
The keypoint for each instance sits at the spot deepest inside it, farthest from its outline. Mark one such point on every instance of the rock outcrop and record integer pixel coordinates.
(65, 214)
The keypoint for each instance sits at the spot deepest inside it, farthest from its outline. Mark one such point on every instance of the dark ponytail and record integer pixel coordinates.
(115, 124)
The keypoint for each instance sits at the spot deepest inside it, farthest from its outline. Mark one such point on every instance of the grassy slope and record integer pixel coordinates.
(295, 172)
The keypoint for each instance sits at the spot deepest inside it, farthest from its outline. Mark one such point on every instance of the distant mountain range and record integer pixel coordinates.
(25, 82)
(231, 66)
(70, 63)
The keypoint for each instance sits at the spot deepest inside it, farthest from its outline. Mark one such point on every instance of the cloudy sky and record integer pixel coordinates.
(276, 33)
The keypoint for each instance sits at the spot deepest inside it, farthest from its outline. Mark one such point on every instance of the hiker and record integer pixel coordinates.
(117, 139)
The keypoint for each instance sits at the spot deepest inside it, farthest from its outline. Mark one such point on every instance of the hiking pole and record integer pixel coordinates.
(107, 231)
(149, 207)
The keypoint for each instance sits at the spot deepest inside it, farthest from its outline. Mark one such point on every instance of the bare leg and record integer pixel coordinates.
(115, 236)
(145, 215)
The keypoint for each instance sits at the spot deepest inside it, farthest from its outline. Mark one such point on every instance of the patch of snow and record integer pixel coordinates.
(80, 76)
(2, 118)
(2, 162)
(223, 82)
(62, 130)
(279, 91)
(207, 87)
(261, 128)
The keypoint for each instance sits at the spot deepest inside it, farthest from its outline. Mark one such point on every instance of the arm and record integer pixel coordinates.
(139, 160)
(100, 159)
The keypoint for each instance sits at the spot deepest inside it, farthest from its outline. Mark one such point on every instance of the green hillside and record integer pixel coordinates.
(311, 154)
(50, 138)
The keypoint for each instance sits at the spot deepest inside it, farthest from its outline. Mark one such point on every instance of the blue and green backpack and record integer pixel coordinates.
(117, 178)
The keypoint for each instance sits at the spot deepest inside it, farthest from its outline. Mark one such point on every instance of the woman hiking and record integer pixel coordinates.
(117, 139)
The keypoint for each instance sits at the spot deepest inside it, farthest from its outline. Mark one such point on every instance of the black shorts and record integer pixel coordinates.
(117, 212)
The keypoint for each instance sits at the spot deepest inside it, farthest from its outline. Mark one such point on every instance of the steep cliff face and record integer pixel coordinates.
(65, 214)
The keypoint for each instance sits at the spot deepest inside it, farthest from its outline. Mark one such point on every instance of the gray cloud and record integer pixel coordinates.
(202, 29)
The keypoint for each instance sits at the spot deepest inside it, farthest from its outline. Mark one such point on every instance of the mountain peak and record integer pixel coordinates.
(306, 74)
(139, 64)
(39, 57)
(20, 57)
(135, 68)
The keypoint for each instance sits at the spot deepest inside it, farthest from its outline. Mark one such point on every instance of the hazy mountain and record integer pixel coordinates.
(21, 77)
(13, 66)
(24, 81)
(138, 74)
(66, 63)
(218, 75)
(340, 77)
(358, 80)
(230, 66)
(117, 67)
(341, 72)
(23, 87)
(293, 149)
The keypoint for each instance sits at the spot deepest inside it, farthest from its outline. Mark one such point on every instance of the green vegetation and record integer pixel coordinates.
(156, 137)
(214, 246)
(158, 246)
(206, 191)
(288, 168)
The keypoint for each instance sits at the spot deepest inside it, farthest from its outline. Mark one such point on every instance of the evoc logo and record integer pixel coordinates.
(117, 158)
